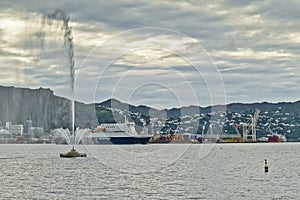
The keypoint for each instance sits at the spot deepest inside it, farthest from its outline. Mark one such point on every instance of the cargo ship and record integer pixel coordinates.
(116, 133)
(275, 137)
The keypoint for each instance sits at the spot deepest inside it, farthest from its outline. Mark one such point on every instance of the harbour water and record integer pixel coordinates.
(154, 171)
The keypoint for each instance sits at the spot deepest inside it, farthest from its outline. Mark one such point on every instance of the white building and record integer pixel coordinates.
(15, 129)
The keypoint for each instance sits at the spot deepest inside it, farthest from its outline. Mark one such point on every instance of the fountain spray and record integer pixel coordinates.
(61, 15)
(68, 42)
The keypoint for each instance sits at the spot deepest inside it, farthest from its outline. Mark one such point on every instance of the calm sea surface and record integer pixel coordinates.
(155, 171)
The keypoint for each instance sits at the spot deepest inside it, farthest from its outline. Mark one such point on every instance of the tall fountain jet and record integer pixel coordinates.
(68, 42)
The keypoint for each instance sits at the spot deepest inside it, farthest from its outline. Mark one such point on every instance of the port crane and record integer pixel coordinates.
(249, 128)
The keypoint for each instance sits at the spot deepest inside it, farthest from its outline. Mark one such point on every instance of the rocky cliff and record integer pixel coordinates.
(42, 107)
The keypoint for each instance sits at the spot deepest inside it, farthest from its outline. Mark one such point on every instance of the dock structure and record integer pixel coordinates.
(249, 128)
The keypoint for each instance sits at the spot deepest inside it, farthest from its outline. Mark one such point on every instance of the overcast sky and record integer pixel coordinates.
(157, 53)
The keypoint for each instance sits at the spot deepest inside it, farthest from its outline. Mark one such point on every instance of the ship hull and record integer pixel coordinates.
(121, 140)
(129, 140)
(273, 139)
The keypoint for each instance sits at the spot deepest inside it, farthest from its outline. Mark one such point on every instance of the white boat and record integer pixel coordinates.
(116, 133)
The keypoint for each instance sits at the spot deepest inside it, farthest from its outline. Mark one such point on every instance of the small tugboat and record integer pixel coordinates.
(72, 154)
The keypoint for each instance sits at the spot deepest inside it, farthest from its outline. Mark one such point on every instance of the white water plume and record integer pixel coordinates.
(71, 139)
(61, 15)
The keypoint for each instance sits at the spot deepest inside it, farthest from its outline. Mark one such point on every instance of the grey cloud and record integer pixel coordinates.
(281, 10)
(222, 30)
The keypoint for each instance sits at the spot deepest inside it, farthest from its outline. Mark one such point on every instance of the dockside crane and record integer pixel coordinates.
(249, 128)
